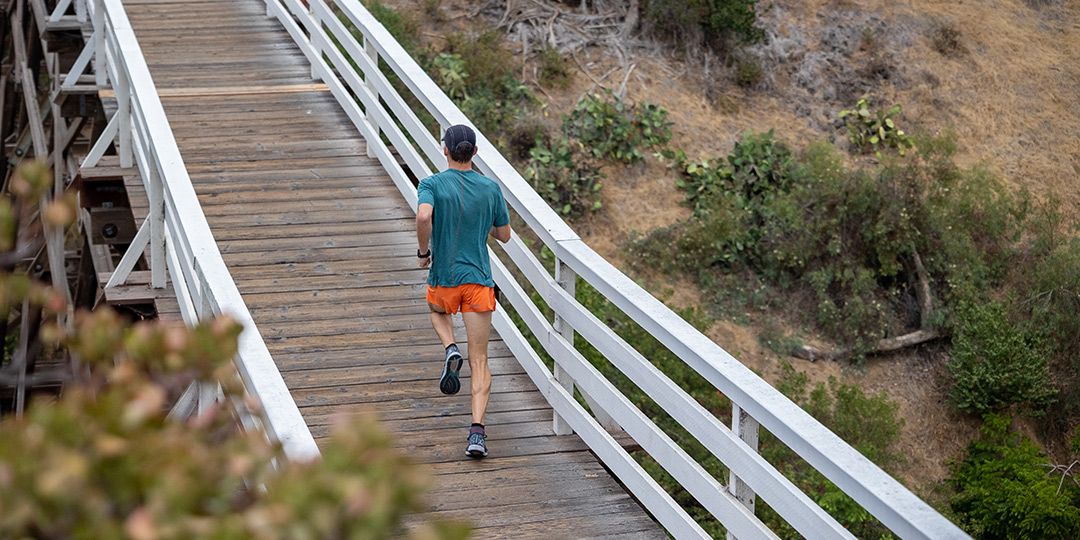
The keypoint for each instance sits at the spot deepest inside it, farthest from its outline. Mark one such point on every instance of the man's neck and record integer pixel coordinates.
(458, 166)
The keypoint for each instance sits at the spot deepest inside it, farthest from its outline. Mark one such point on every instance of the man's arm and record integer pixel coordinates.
(423, 232)
(501, 234)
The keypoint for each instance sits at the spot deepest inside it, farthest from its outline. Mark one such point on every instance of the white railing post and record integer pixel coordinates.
(122, 88)
(80, 10)
(315, 44)
(567, 280)
(156, 195)
(373, 53)
(744, 427)
(101, 75)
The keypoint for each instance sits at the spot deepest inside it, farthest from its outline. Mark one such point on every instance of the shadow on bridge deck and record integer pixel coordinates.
(321, 244)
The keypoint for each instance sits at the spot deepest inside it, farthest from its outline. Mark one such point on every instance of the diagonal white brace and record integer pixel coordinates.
(61, 8)
(79, 67)
(103, 142)
(186, 404)
(131, 256)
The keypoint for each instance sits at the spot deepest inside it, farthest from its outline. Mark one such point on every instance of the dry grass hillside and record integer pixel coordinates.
(1003, 74)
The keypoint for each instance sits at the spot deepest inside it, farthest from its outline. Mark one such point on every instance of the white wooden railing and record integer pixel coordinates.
(176, 229)
(316, 27)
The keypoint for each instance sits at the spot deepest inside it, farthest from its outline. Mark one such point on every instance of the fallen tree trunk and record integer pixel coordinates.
(807, 352)
(926, 307)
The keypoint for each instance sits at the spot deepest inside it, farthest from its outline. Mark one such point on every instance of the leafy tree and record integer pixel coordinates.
(1004, 491)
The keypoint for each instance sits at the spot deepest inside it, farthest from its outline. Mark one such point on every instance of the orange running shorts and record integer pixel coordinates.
(465, 297)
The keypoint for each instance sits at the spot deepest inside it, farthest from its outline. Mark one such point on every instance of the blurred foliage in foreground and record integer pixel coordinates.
(102, 461)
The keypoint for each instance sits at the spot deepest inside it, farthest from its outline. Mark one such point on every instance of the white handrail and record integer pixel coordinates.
(884, 497)
(183, 241)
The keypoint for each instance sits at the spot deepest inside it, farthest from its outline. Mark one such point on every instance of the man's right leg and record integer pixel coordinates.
(478, 328)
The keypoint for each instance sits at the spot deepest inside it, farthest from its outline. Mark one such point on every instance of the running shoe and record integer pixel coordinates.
(476, 447)
(449, 383)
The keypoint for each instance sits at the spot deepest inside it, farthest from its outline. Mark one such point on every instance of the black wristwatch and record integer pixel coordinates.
(423, 255)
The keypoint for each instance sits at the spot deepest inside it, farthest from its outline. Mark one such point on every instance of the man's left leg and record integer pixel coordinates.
(478, 330)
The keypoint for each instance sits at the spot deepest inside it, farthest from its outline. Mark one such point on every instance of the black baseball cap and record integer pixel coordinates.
(458, 134)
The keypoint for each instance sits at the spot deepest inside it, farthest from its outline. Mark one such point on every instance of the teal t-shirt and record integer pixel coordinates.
(467, 205)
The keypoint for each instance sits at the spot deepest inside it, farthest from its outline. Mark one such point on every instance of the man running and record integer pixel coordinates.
(457, 210)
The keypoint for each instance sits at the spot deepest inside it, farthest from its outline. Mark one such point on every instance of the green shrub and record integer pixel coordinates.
(1005, 489)
(757, 166)
(994, 365)
(553, 69)
(403, 25)
(566, 176)
(477, 72)
(486, 61)
(748, 74)
(868, 423)
(1050, 282)
(452, 75)
(611, 129)
(714, 23)
(844, 240)
(871, 130)
(945, 39)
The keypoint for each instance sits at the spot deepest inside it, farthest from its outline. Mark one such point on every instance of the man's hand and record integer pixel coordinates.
(423, 262)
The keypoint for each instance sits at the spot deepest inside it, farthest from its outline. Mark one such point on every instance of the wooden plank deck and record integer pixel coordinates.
(321, 247)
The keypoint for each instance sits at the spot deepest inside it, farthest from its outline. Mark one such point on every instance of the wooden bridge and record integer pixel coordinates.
(321, 245)
(250, 136)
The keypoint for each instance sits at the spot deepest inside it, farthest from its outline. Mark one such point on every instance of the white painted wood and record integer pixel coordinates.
(123, 111)
(367, 61)
(131, 256)
(98, 18)
(157, 229)
(186, 404)
(744, 427)
(566, 279)
(366, 89)
(792, 504)
(208, 396)
(651, 495)
(61, 7)
(103, 142)
(80, 11)
(180, 286)
(382, 153)
(880, 494)
(317, 45)
(690, 475)
(79, 67)
(373, 55)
